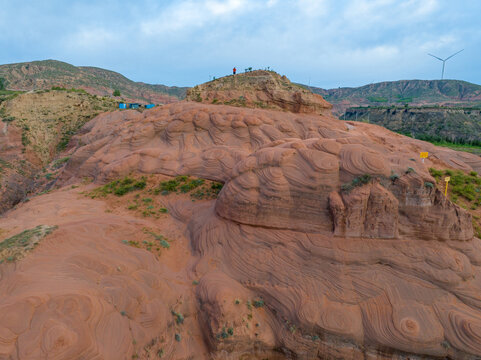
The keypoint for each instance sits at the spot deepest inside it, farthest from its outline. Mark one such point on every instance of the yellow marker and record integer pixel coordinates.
(447, 178)
(423, 155)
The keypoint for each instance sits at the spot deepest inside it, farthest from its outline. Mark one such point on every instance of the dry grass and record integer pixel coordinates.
(17, 246)
(48, 119)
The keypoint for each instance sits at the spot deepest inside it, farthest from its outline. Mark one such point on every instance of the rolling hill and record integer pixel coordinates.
(413, 92)
(46, 74)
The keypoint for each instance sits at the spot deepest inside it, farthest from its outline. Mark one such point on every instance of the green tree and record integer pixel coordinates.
(2, 84)
(117, 92)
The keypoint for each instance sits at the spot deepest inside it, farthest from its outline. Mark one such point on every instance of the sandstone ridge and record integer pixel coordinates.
(260, 89)
(326, 241)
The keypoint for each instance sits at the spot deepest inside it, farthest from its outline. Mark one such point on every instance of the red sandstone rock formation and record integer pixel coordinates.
(260, 89)
(289, 262)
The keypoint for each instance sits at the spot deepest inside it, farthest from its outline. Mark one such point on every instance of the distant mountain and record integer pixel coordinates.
(412, 92)
(51, 73)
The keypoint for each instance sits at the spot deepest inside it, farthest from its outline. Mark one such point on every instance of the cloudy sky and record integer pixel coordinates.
(327, 43)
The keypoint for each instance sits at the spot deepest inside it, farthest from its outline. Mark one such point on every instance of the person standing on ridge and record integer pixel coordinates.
(234, 70)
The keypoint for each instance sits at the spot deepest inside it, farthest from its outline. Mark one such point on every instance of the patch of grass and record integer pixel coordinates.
(15, 247)
(8, 119)
(163, 241)
(191, 185)
(198, 188)
(120, 187)
(59, 162)
(165, 187)
(437, 174)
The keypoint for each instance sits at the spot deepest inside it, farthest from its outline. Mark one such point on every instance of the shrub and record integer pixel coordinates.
(167, 187)
(258, 303)
(165, 244)
(178, 337)
(410, 170)
(393, 176)
(179, 318)
(429, 185)
(116, 92)
(358, 181)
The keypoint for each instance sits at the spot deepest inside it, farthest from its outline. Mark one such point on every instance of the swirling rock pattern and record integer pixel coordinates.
(288, 262)
(260, 89)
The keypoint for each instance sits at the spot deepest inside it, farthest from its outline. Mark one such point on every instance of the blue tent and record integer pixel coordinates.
(149, 106)
(134, 106)
(122, 106)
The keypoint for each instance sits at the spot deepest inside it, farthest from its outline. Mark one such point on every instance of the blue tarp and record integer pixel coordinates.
(122, 106)
(149, 106)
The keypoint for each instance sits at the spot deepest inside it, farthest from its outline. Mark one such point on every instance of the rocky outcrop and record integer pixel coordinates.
(260, 89)
(325, 242)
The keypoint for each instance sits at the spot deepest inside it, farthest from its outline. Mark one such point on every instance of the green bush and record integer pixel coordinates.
(258, 303)
(116, 92)
(179, 318)
(393, 176)
(429, 185)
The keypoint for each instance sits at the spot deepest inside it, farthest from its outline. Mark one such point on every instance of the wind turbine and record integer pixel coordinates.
(444, 61)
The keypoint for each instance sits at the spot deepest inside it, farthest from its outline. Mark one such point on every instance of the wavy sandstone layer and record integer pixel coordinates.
(260, 89)
(290, 262)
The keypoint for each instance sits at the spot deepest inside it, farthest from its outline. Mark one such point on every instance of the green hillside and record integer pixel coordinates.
(46, 74)
(412, 92)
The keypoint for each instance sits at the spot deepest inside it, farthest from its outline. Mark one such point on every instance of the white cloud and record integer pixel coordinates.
(190, 14)
(313, 8)
(91, 39)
